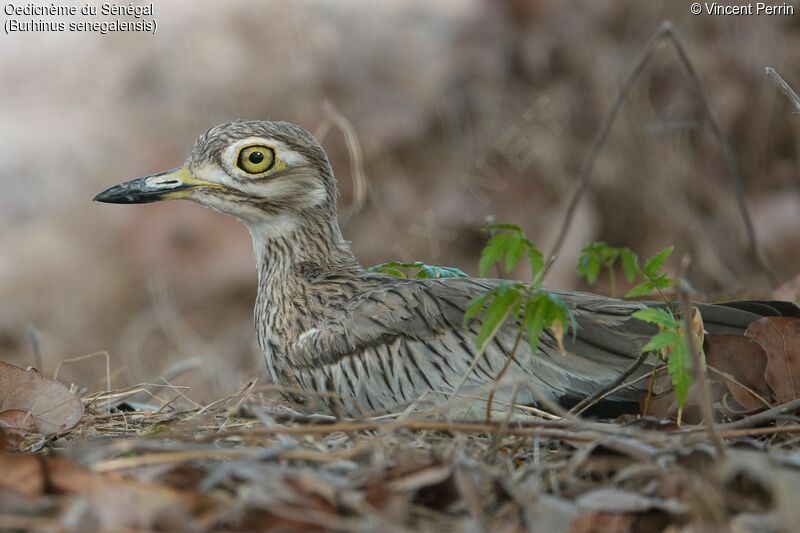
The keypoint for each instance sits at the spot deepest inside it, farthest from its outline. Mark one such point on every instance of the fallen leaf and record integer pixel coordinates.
(744, 360)
(22, 474)
(32, 475)
(15, 424)
(780, 338)
(736, 363)
(53, 407)
(65, 476)
(131, 505)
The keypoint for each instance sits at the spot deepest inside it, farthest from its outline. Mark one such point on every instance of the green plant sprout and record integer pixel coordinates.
(536, 309)
(669, 343)
(598, 255)
(419, 270)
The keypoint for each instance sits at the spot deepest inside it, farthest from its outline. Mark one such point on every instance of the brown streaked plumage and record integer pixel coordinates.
(325, 324)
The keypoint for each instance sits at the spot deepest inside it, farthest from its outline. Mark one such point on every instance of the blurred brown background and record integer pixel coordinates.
(464, 109)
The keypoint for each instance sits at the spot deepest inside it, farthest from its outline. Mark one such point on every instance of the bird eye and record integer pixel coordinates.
(256, 159)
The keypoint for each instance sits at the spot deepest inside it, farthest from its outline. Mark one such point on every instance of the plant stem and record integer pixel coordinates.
(612, 280)
(699, 367)
(500, 374)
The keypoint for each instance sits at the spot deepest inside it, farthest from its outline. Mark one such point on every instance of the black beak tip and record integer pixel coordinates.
(109, 196)
(122, 194)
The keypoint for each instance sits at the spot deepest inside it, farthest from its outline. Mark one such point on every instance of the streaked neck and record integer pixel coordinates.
(291, 259)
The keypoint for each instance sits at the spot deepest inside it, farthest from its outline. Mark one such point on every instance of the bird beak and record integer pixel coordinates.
(171, 185)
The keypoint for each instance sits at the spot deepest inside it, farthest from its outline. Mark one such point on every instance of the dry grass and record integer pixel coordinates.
(253, 461)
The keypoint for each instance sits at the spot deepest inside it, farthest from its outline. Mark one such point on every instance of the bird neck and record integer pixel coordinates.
(292, 260)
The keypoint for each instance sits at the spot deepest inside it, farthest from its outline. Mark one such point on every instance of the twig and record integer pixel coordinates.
(356, 159)
(509, 358)
(787, 90)
(764, 417)
(698, 366)
(602, 134)
(610, 388)
(730, 379)
(756, 432)
(730, 158)
(80, 358)
(665, 31)
(33, 335)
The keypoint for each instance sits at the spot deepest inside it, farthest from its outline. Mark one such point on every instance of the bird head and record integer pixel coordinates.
(261, 172)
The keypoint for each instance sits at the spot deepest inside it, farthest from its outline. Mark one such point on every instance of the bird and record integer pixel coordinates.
(367, 342)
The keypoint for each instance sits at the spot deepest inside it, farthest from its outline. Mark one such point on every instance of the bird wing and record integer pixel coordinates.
(400, 338)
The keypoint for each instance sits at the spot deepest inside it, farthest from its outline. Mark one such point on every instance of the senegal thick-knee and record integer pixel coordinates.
(325, 324)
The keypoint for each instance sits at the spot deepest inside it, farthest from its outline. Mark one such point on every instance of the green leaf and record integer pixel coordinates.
(535, 260)
(609, 255)
(514, 253)
(661, 340)
(505, 304)
(642, 289)
(653, 265)
(555, 310)
(589, 266)
(594, 257)
(679, 367)
(494, 250)
(543, 310)
(437, 272)
(390, 269)
(533, 322)
(629, 266)
(657, 315)
(503, 226)
(423, 271)
(475, 306)
(451, 272)
(661, 282)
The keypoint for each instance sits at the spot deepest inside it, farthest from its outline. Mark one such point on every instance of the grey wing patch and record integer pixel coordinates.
(418, 309)
(392, 343)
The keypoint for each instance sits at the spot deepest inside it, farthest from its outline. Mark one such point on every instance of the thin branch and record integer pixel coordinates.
(33, 335)
(665, 31)
(699, 368)
(787, 90)
(602, 134)
(727, 152)
(509, 358)
(770, 415)
(356, 159)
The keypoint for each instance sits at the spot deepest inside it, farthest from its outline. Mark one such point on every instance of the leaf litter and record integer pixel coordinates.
(254, 462)
(31, 401)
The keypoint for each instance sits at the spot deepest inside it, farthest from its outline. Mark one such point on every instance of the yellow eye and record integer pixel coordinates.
(256, 159)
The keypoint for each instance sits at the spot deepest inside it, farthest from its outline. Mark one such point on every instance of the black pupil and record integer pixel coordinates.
(256, 157)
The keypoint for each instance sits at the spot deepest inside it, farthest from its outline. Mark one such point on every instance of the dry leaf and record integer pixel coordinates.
(745, 361)
(31, 474)
(131, 505)
(558, 333)
(15, 424)
(53, 407)
(22, 474)
(698, 328)
(780, 338)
